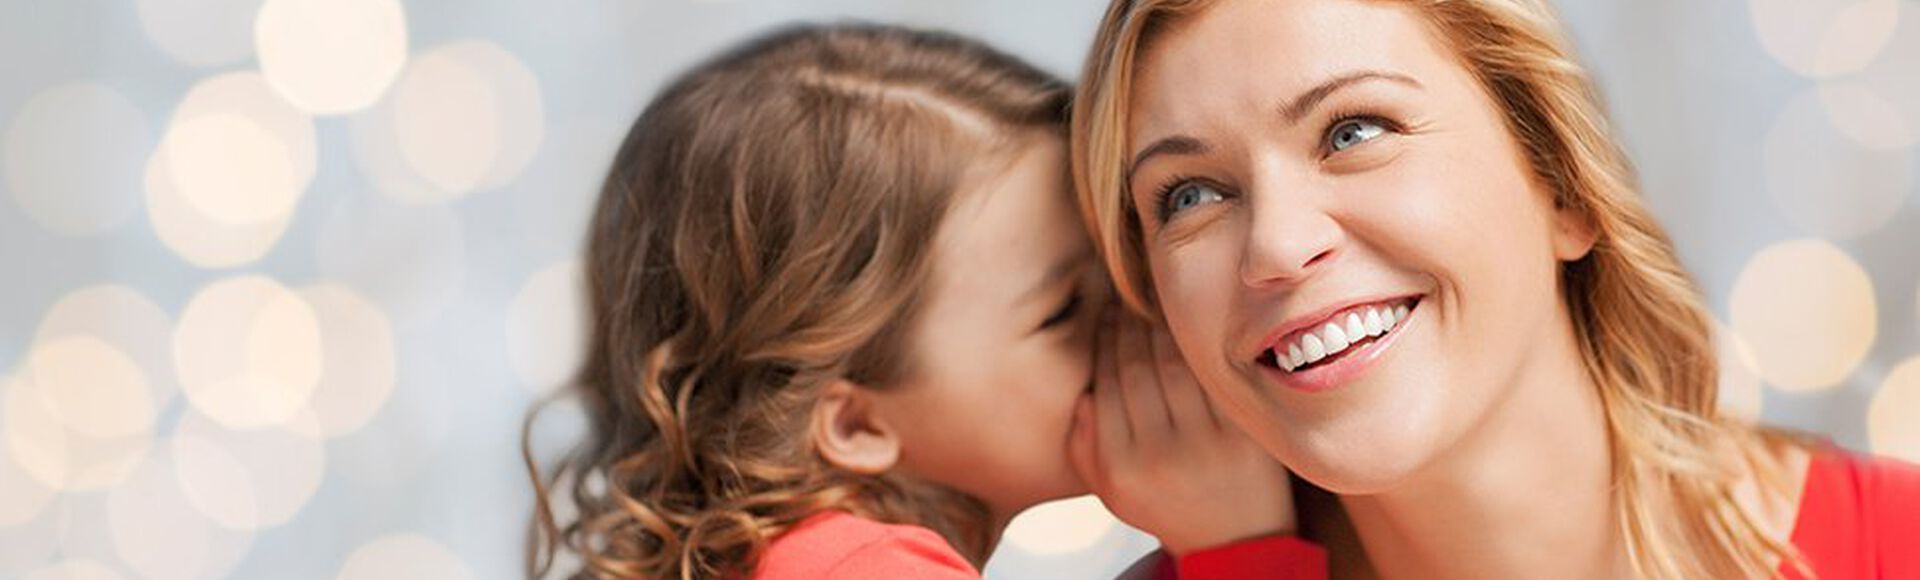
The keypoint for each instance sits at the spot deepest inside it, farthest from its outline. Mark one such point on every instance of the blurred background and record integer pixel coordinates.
(279, 278)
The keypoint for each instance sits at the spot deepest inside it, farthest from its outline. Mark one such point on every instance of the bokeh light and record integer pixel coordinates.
(125, 318)
(1741, 394)
(331, 56)
(193, 226)
(1824, 38)
(465, 116)
(1060, 527)
(248, 352)
(55, 455)
(1893, 419)
(201, 33)
(404, 557)
(248, 480)
(75, 570)
(22, 497)
(93, 387)
(357, 376)
(1827, 182)
(72, 157)
(231, 169)
(546, 327)
(1807, 310)
(158, 533)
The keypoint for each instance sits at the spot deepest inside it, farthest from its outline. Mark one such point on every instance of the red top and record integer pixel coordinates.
(1859, 518)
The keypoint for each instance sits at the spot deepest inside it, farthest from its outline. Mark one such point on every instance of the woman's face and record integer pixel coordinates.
(1343, 236)
(1003, 344)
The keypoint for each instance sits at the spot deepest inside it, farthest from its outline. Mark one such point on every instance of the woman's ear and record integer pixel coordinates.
(1573, 233)
(849, 432)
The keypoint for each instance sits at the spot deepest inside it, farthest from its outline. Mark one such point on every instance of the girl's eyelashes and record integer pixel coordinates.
(1064, 313)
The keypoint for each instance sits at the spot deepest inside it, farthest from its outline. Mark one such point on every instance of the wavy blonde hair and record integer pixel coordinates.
(1644, 334)
(765, 230)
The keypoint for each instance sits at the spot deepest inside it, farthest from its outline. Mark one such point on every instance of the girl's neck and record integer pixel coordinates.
(1525, 493)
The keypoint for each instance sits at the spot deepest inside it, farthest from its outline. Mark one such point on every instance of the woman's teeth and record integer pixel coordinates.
(1339, 334)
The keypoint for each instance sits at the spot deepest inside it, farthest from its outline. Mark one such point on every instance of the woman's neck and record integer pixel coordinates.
(1524, 494)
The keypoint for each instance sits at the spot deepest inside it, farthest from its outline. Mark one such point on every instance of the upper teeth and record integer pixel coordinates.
(1339, 334)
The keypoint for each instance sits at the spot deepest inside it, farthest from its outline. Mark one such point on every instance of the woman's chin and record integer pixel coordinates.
(1352, 463)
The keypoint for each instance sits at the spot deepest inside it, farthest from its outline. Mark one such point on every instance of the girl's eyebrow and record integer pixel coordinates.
(1064, 269)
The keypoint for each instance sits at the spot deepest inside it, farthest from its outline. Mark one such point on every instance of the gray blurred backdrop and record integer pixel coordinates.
(278, 278)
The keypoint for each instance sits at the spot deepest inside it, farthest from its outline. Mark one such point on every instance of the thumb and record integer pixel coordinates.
(1081, 442)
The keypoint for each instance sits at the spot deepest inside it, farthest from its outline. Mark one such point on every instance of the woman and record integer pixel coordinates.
(842, 326)
(1397, 245)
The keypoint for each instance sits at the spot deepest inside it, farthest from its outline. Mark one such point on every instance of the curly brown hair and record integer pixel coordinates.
(765, 230)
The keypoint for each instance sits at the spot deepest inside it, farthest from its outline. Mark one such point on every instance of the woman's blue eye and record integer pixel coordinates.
(1190, 195)
(1353, 132)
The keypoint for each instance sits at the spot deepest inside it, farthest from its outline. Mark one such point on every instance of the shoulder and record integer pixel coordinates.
(841, 545)
(1857, 511)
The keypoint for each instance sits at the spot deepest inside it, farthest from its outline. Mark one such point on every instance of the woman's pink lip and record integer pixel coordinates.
(1315, 319)
(1353, 365)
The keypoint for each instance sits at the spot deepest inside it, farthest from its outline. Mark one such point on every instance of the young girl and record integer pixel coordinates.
(843, 326)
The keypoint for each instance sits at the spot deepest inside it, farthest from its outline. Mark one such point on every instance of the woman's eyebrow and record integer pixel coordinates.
(1297, 108)
(1291, 110)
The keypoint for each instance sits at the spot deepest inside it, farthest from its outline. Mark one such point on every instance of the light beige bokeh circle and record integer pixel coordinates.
(547, 327)
(125, 318)
(1740, 394)
(22, 497)
(465, 116)
(75, 570)
(200, 33)
(358, 374)
(53, 454)
(1824, 38)
(71, 157)
(331, 56)
(248, 480)
(1807, 311)
(215, 239)
(248, 352)
(93, 387)
(156, 531)
(1893, 419)
(232, 170)
(404, 557)
(1827, 182)
(1060, 527)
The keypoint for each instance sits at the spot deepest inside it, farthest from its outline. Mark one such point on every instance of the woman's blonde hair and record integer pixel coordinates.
(1644, 334)
(765, 229)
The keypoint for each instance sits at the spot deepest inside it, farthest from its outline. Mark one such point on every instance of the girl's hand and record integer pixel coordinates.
(1151, 445)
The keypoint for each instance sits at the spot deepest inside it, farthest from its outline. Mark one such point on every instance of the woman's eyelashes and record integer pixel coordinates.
(1343, 134)
(1181, 194)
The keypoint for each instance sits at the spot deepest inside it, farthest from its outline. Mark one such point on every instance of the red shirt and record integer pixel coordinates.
(1859, 518)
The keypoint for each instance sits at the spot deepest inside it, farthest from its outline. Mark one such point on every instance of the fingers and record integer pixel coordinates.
(1083, 441)
(1140, 382)
(1110, 413)
(1187, 406)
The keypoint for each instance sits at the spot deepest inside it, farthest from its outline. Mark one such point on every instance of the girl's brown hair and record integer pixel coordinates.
(765, 229)
(1644, 333)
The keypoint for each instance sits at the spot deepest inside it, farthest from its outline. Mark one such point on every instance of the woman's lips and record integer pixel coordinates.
(1335, 352)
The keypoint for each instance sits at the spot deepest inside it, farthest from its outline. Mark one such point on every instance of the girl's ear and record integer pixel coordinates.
(849, 432)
